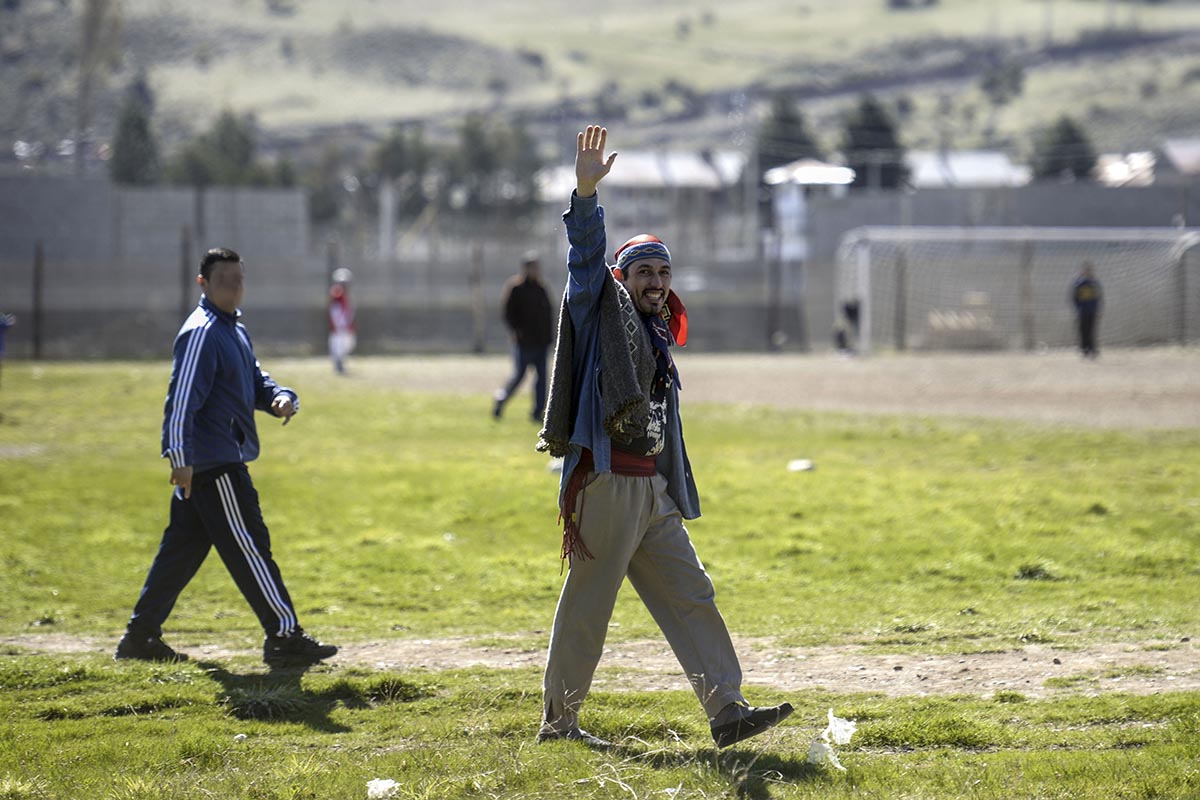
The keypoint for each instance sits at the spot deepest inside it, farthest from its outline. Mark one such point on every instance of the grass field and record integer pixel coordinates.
(407, 518)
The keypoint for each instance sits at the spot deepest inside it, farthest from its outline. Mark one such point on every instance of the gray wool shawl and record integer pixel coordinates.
(626, 373)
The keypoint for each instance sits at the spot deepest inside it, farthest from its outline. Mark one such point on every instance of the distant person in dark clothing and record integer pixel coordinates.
(528, 315)
(1087, 297)
(845, 336)
(6, 322)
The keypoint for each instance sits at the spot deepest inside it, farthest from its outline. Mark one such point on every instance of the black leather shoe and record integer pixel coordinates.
(575, 735)
(298, 649)
(754, 722)
(146, 647)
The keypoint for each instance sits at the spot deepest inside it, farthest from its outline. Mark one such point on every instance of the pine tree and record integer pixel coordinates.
(475, 163)
(1063, 151)
(134, 150)
(872, 146)
(404, 158)
(222, 156)
(231, 144)
(524, 160)
(784, 136)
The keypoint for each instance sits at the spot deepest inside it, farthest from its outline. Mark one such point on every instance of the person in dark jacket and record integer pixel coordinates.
(1087, 297)
(527, 314)
(6, 322)
(208, 436)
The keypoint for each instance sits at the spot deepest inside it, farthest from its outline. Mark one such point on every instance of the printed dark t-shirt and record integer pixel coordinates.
(652, 443)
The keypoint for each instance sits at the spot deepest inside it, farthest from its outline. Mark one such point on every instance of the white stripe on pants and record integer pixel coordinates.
(634, 529)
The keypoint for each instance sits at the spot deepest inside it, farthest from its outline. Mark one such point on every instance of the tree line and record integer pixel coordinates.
(492, 164)
(871, 143)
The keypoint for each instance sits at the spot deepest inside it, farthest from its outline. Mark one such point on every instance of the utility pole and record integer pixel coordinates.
(99, 30)
(186, 271)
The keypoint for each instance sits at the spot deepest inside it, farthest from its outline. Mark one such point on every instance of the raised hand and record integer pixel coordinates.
(590, 164)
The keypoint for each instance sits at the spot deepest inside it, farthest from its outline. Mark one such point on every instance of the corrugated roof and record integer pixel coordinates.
(1184, 155)
(1125, 169)
(654, 169)
(810, 172)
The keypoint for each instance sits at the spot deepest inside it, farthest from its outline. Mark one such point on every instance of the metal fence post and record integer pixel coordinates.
(36, 322)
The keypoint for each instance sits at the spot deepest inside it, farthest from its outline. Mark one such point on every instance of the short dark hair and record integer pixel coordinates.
(216, 256)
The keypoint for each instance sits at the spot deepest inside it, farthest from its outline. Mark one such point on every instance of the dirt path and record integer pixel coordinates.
(1147, 668)
(1123, 389)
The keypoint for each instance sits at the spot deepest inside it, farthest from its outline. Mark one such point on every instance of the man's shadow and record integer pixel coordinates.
(750, 774)
(278, 696)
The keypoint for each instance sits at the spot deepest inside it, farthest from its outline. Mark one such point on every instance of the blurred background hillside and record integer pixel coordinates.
(680, 73)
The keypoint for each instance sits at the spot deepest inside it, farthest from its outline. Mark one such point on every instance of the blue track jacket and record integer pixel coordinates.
(216, 383)
(587, 272)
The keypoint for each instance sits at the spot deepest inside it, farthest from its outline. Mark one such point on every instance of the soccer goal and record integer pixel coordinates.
(948, 288)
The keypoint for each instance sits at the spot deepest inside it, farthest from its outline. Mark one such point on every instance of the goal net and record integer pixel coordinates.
(947, 288)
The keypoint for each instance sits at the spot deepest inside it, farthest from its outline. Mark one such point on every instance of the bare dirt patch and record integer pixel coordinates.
(1033, 671)
(1148, 388)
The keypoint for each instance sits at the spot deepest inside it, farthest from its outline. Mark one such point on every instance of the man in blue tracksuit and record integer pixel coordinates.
(209, 435)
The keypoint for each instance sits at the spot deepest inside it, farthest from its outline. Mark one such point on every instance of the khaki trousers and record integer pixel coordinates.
(634, 529)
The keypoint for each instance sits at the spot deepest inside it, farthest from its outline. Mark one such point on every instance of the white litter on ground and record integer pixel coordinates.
(838, 731)
(801, 465)
(381, 788)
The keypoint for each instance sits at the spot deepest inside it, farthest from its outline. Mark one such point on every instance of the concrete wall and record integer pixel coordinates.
(117, 280)
(119, 263)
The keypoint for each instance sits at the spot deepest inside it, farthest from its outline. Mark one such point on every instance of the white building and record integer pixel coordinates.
(929, 169)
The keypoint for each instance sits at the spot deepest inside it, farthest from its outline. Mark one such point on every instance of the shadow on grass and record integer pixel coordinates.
(750, 774)
(279, 697)
(753, 774)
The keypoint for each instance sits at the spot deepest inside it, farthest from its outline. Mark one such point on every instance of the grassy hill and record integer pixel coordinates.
(681, 73)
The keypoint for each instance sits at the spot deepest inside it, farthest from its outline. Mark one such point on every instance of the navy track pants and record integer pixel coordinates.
(525, 357)
(222, 512)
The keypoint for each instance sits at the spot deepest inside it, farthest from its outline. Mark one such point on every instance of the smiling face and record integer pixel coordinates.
(648, 280)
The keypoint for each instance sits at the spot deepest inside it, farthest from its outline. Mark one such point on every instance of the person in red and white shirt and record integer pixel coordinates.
(342, 333)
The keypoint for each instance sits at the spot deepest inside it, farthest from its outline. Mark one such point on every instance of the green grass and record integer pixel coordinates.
(88, 728)
(401, 514)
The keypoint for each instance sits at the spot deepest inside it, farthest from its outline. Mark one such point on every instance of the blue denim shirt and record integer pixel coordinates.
(587, 272)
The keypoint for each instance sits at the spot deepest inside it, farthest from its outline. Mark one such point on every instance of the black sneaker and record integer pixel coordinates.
(297, 649)
(146, 647)
(752, 723)
(575, 735)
